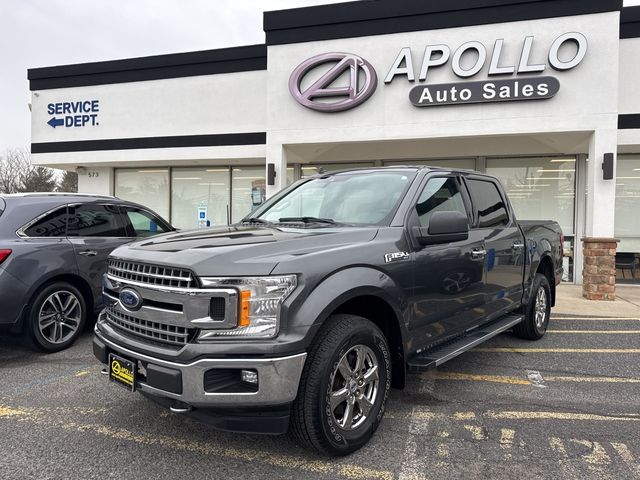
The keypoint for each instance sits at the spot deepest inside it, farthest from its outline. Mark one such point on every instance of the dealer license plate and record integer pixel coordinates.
(122, 371)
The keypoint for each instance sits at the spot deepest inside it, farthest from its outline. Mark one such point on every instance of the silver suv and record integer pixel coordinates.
(53, 253)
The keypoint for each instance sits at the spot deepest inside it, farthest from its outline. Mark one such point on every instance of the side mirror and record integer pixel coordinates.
(444, 227)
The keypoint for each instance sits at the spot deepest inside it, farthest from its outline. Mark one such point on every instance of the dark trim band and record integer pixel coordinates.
(630, 22)
(218, 140)
(175, 65)
(628, 121)
(379, 17)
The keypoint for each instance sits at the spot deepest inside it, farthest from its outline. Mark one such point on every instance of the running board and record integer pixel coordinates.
(432, 358)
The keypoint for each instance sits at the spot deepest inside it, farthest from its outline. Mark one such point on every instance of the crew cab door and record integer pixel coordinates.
(503, 251)
(448, 281)
(95, 230)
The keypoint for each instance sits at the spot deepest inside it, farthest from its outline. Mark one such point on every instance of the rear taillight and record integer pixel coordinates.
(4, 254)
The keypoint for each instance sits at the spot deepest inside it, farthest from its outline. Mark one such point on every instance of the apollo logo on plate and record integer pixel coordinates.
(362, 82)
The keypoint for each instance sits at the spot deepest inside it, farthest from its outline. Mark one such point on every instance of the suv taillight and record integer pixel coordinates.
(4, 254)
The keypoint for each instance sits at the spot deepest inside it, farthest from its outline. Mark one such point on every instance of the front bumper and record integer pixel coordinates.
(278, 378)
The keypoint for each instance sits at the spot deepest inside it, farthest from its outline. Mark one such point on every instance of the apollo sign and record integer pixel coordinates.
(348, 96)
(525, 84)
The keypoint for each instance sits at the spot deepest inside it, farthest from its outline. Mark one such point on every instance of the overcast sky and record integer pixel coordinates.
(37, 33)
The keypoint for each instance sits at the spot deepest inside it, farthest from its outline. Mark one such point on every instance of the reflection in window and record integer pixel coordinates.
(52, 225)
(143, 224)
(539, 188)
(196, 188)
(627, 227)
(492, 212)
(346, 198)
(439, 195)
(248, 191)
(148, 187)
(96, 221)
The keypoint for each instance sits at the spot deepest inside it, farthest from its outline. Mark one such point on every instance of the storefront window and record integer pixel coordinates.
(627, 228)
(148, 187)
(541, 188)
(248, 190)
(464, 163)
(196, 191)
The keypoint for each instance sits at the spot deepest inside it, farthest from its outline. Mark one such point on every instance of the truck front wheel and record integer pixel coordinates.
(344, 387)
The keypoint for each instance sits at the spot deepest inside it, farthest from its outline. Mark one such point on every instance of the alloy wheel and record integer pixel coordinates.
(354, 387)
(540, 307)
(59, 316)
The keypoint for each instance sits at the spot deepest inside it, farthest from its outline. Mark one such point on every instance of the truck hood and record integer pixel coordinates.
(241, 250)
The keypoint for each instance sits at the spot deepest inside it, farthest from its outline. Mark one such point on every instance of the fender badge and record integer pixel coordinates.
(395, 256)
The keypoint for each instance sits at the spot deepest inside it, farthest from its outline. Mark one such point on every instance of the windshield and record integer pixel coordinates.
(358, 197)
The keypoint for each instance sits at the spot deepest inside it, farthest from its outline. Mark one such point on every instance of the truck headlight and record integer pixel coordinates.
(260, 299)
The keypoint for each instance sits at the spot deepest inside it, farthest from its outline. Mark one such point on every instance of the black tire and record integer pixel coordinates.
(530, 328)
(70, 326)
(313, 423)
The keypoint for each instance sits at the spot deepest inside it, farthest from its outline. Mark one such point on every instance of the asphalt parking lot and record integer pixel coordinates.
(567, 406)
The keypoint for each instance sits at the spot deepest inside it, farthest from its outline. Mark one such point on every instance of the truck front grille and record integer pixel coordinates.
(151, 274)
(155, 332)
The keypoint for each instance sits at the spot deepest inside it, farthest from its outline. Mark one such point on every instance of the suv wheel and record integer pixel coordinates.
(56, 317)
(537, 310)
(344, 387)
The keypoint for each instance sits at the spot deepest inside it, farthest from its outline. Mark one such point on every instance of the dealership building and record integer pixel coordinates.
(542, 94)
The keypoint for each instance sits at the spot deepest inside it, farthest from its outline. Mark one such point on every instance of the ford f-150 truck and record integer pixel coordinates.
(303, 315)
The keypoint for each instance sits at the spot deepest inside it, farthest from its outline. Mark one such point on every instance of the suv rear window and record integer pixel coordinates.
(53, 224)
(94, 220)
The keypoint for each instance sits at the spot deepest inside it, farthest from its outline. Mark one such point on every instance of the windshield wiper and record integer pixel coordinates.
(307, 220)
(255, 220)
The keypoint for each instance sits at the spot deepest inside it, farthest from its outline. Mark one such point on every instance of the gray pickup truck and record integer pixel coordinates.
(302, 316)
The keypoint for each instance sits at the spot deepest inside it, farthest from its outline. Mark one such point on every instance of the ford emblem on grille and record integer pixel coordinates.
(130, 299)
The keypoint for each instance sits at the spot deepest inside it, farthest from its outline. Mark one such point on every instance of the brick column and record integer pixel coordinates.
(599, 270)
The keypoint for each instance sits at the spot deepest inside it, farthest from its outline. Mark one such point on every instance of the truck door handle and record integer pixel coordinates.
(88, 253)
(517, 246)
(478, 254)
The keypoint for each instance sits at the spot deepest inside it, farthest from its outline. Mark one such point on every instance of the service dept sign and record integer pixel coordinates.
(321, 96)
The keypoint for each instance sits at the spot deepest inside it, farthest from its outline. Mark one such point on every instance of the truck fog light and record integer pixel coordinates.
(249, 376)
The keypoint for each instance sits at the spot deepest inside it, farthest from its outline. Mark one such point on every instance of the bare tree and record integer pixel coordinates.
(39, 179)
(69, 182)
(17, 174)
(15, 166)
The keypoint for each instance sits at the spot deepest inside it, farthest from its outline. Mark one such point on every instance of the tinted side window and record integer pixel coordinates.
(143, 223)
(2, 206)
(439, 195)
(96, 221)
(52, 225)
(492, 212)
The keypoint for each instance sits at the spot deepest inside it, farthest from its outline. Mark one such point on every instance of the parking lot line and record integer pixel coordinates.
(41, 418)
(461, 376)
(598, 319)
(480, 378)
(598, 332)
(534, 415)
(553, 350)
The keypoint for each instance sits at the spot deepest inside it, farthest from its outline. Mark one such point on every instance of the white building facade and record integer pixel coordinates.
(541, 93)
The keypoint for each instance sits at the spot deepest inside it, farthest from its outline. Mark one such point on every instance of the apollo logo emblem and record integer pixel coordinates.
(362, 82)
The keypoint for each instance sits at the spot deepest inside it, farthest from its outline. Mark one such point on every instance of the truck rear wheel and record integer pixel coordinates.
(344, 387)
(536, 311)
